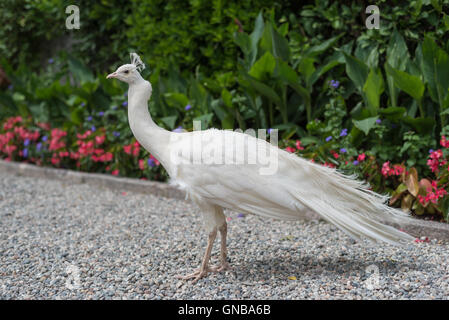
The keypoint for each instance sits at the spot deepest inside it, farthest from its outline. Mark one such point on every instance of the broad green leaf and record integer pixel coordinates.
(435, 66)
(255, 37)
(205, 120)
(322, 70)
(393, 113)
(170, 121)
(79, 70)
(357, 71)
(227, 98)
(263, 67)
(281, 48)
(373, 88)
(421, 125)
(365, 125)
(406, 82)
(285, 72)
(307, 68)
(323, 46)
(263, 89)
(176, 99)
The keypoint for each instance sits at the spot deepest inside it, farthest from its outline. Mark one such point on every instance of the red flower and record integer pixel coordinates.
(361, 157)
(100, 139)
(444, 143)
(115, 172)
(142, 164)
(127, 149)
(298, 145)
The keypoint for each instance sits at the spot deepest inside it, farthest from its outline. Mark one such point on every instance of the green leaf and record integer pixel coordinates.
(421, 125)
(170, 121)
(263, 67)
(227, 98)
(435, 67)
(281, 48)
(398, 57)
(255, 37)
(357, 71)
(307, 68)
(373, 88)
(406, 82)
(365, 125)
(393, 113)
(264, 90)
(322, 47)
(176, 99)
(80, 71)
(205, 120)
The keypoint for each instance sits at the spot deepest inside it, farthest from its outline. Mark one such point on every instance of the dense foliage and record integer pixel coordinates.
(370, 102)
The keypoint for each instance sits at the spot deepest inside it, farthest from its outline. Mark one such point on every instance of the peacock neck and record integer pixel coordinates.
(152, 137)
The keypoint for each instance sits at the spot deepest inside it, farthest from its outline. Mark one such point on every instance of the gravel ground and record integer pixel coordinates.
(62, 241)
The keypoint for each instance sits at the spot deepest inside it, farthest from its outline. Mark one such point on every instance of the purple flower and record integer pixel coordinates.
(328, 138)
(93, 128)
(26, 142)
(378, 121)
(10, 87)
(39, 146)
(82, 104)
(101, 113)
(125, 103)
(335, 84)
(178, 129)
(270, 130)
(344, 132)
(431, 150)
(151, 163)
(25, 153)
(44, 138)
(89, 118)
(240, 215)
(116, 134)
(355, 162)
(343, 150)
(188, 107)
(50, 61)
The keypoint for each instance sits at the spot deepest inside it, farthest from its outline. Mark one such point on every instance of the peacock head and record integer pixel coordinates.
(130, 72)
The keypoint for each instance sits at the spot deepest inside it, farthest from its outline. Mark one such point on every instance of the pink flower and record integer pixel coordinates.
(100, 139)
(127, 149)
(444, 143)
(298, 145)
(115, 172)
(361, 157)
(142, 164)
(290, 149)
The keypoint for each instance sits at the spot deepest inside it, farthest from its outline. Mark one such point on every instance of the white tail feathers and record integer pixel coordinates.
(135, 60)
(352, 207)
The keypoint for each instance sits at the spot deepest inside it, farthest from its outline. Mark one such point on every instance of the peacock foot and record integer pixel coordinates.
(222, 267)
(197, 274)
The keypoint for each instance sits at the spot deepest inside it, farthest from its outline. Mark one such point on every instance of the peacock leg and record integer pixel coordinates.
(204, 268)
(224, 265)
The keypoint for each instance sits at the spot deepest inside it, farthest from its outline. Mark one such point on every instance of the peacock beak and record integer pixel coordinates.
(112, 75)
